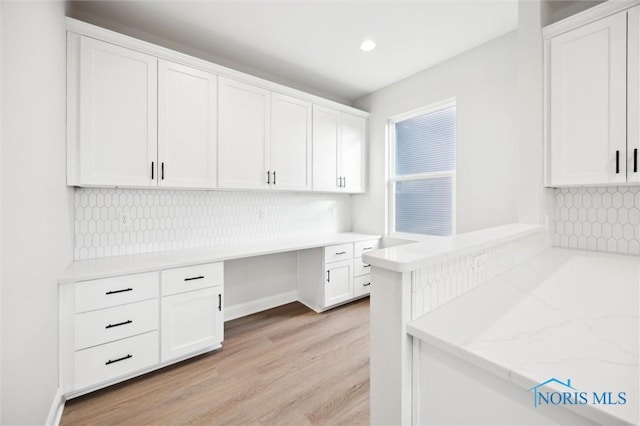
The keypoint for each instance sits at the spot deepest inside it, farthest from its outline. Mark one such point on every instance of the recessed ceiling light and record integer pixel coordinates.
(368, 45)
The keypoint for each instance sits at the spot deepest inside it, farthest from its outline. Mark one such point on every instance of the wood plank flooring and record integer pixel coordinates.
(285, 366)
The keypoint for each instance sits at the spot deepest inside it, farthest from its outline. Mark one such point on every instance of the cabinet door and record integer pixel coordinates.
(352, 144)
(243, 135)
(290, 143)
(191, 321)
(588, 103)
(633, 96)
(187, 132)
(117, 138)
(326, 134)
(338, 282)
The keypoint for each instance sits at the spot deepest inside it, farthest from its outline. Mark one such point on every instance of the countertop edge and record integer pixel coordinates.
(385, 261)
(91, 269)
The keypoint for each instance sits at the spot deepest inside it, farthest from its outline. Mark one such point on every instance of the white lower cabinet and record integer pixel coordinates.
(116, 328)
(191, 322)
(332, 275)
(339, 285)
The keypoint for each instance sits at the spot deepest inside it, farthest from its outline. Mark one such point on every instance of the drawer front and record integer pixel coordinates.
(361, 285)
(360, 268)
(109, 361)
(338, 252)
(115, 291)
(364, 246)
(107, 325)
(190, 278)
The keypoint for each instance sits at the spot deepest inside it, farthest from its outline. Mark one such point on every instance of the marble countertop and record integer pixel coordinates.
(82, 270)
(412, 256)
(563, 314)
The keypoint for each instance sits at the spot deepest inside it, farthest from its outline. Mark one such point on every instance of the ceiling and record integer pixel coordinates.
(312, 45)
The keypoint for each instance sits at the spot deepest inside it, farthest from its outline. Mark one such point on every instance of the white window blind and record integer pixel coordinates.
(423, 172)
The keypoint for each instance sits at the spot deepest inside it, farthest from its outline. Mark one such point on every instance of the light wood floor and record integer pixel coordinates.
(287, 365)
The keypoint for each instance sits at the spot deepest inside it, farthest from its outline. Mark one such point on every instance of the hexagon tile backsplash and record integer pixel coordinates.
(601, 219)
(113, 222)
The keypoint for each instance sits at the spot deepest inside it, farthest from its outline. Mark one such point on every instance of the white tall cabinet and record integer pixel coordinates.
(113, 114)
(338, 151)
(592, 115)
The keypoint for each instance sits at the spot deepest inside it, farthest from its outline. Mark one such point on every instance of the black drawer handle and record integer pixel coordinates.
(367, 266)
(617, 161)
(219, 302)
(328, 276)
(113, 361)
(119, 291)
(635, 160)
(194, 278)
(367, 248)
(366, 284)
(119, 324)
(342, 252)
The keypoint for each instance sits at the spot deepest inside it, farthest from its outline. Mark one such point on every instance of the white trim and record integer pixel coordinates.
(57, 407)
(248, 308)
(592, 14)
(446, 103)
(89, 30)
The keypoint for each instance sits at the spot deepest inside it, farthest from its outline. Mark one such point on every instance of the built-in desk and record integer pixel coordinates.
(124, 316)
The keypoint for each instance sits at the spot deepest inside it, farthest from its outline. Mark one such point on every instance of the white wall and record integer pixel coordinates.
(1, 204)
(36, 207)
(483, 80)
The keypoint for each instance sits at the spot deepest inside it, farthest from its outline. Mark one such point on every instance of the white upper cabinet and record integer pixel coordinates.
(290, 143)
(633, 99)
(352, 153)
(338, 151)
(187, 131)
(112, 115)
(140, 115)
(326, 135)
(243, 135)
(592, 113)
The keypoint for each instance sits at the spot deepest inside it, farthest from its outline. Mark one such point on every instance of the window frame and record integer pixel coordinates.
(392, 178)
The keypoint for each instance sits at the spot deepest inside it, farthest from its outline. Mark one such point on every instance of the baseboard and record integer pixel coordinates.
(244, 309)
(55, 412)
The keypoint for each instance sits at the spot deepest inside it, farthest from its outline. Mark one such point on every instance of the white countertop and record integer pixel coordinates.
(565, 313)
(82, 270)
(416, 255)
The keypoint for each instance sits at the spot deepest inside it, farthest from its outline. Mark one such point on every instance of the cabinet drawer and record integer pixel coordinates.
(190, 278)
(115, 291)
(110, 324)
(364, 246)
(361, 285)
(115, 359)
(338, 252)
(360, 268)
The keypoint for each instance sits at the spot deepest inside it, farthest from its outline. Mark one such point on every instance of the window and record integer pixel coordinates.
(423, 171)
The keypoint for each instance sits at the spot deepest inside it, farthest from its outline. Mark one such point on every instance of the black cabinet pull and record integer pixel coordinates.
(274, 177)
(119, 291)
(118, 324)
(617, 162)
(366, 284)
(268, 177)
(162, 170)
(367, 266)
(220, 302)
(328, 276)
(367, 248)
(635, 160)
(344, 182)
(342, 252)
(153, 166)
(194, 278)
(112, 361)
